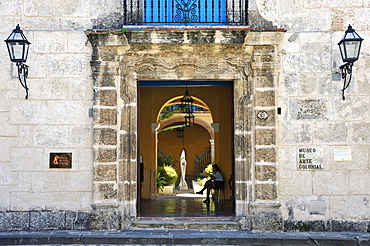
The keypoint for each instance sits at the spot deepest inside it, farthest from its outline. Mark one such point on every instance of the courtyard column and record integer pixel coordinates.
(212, 144)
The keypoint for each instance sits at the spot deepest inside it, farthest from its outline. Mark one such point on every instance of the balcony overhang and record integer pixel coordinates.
(188, 35)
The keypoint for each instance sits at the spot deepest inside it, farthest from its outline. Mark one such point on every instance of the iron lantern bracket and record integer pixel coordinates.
(346, 71)
(22, 76)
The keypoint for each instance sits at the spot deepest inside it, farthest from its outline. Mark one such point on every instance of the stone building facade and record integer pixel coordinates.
(301, 153)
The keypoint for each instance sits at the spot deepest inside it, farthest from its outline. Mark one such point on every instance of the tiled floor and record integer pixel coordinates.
(184, 204)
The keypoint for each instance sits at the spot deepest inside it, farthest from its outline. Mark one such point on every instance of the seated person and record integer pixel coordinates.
(216, 182)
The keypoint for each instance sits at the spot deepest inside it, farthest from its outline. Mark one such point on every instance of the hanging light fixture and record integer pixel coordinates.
(18, 47)
(349, 47)
(187, 108)
(180, 132)
(189, 119)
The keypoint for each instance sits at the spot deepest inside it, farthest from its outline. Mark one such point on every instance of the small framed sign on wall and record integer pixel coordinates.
(60, 160)
(342, 154)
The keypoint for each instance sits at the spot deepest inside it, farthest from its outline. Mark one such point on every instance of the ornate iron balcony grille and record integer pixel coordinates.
(185, 12)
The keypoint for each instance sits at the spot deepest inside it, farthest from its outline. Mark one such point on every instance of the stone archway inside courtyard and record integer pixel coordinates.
(172, 130)
(247, 58)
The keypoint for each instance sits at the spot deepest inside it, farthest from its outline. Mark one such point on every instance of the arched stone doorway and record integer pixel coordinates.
(196, 140)
(172, 119)
(121, 59)
(152, 99)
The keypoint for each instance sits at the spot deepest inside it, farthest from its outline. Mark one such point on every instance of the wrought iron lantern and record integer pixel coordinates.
(187, 108)
(180, 132)
(186, 103)
(189, 119)
(349, 47)
(18, 47)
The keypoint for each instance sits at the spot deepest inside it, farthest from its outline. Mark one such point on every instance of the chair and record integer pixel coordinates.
(219, 193)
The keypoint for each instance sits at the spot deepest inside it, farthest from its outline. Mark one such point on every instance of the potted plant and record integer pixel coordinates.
(200, 180)
(198, 183)
(166, 178)
(161, 183)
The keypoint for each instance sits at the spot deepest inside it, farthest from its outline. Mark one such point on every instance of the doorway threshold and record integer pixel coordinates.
(185, 205)
(227, 218)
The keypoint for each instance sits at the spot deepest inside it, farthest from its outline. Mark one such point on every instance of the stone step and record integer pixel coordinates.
(180, 237)
(203, 224)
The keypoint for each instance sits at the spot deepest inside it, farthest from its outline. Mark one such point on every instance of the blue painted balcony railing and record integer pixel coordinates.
(185, 12)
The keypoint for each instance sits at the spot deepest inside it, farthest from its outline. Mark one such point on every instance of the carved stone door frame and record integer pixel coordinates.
(246, 57)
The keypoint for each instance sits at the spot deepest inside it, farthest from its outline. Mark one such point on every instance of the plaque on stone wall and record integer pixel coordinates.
(60, 160)
(342, 154)
(310, 158)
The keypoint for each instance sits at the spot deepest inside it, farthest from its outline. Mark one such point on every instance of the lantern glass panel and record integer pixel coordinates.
(352, 48)
(342, 50)
(18, 51)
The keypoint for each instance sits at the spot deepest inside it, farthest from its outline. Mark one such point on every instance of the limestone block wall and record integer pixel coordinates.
(314, 115)
(56, 118)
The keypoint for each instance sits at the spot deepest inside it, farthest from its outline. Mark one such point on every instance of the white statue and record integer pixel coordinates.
(183, 185)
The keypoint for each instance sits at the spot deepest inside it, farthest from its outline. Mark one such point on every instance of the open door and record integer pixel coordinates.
(212, 132)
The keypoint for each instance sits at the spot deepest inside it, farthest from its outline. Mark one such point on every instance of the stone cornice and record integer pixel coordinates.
(141, 35)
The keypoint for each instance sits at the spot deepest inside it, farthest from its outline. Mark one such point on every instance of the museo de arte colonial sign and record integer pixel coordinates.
(310, 158)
